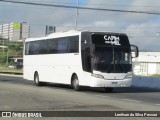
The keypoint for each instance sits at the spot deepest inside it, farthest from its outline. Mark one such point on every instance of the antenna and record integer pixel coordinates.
(77, 13)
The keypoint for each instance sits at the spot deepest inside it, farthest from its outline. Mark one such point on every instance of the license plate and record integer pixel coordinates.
(114, 83)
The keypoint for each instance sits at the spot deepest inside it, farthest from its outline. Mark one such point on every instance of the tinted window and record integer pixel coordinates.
(73, 45)
(27, 48)
(52, 46)
(34, 48)
(43, 47)
(63, 45)
(112, 59)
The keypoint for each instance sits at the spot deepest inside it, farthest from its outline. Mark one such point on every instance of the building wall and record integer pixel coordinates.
(25, 31)
(148, 63)
(12, 32)
(0, 30)
(16, 31)
(5, 31)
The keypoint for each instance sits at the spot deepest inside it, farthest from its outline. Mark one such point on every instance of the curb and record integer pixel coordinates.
(10, 75)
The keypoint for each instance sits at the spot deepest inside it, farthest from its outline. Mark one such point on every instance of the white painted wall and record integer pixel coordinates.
(148, 63)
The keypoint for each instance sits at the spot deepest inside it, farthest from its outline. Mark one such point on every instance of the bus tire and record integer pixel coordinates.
(75, 83)
(36, 79)
(108, 89)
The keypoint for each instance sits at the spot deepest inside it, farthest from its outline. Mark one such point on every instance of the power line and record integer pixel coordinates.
(35, 25)
(78, 7)
(81, 3)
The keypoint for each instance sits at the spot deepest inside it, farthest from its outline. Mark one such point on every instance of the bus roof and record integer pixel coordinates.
(57, 34)
(68, 33)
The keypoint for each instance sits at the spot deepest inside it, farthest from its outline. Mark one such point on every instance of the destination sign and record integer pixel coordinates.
(109, 39)
(113, 40)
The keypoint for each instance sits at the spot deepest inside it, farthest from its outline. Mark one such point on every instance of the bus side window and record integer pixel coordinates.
(62, 45)
(52, 46)
(43, 47)
(73, 46)
(31, 49)
(34, 48)
(27, 48)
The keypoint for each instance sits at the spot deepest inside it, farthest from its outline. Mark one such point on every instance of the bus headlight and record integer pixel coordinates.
(128, 76)
(98, 76)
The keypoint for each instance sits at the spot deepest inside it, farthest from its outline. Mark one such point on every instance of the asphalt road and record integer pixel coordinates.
(18, 94)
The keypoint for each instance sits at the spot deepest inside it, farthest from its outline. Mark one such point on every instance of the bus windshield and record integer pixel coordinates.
(112, 59)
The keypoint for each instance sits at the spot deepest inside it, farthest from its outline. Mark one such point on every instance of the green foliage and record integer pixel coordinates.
(12, 51)
(156, 76)
(3, 58)
(12, 63)
(15, 47)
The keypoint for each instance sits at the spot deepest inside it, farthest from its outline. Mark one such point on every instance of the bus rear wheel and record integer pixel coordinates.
(36, 79)
(75, 83)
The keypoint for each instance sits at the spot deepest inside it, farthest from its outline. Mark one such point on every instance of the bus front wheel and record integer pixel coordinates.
(75, 83)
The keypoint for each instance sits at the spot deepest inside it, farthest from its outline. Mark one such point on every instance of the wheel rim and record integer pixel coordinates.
(75, 83)
(36, 79)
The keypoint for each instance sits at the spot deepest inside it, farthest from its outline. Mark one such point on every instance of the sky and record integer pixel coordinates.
(141, 29)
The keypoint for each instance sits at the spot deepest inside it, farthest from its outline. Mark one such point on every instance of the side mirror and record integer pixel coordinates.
(134, 51)
(84, 41)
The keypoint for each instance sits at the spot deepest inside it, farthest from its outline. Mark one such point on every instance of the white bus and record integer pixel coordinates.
(80, 58)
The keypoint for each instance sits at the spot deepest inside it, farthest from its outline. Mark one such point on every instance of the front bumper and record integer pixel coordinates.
(99, 82)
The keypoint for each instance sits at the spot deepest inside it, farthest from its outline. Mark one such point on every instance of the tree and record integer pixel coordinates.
(15, 47)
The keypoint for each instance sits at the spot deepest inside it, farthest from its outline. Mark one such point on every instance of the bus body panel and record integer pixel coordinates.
(56, 68)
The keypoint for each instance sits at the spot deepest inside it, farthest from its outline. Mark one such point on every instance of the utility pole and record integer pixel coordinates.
(8, 45)
(3, 45)
(7, 57)
(77, 13)
(2, 39)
